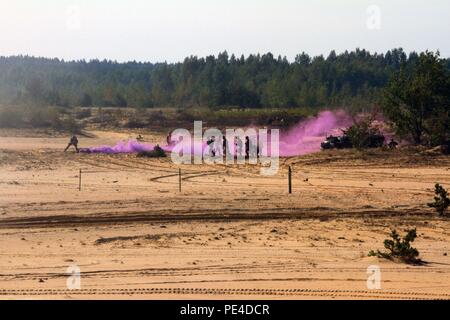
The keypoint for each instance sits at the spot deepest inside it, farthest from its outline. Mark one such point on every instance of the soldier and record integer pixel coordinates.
(239, 146)
(210, 142)
(392, 144)
(73, 142)
(247, 147)
(169, 139)
(226, 147)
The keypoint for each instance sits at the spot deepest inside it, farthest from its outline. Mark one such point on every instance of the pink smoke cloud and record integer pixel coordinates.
(307, 135)
(303, 138)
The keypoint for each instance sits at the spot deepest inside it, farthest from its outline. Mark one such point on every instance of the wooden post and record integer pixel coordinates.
(179, 179)
(79, 181)
(290, 180)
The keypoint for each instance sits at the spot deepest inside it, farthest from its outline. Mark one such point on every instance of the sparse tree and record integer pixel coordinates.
(399, 248)
(417, 98)
(441, 200)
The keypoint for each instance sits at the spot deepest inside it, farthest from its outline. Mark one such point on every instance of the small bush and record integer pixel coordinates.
(157, 152)
(399, 248)
(441, 200)
(364, 135)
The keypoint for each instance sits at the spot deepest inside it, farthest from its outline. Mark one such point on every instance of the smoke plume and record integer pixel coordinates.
(302, 139)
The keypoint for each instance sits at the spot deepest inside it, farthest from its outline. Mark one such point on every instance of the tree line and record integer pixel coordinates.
(353, 79)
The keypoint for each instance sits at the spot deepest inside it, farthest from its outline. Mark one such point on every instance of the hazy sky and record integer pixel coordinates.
(169, 30)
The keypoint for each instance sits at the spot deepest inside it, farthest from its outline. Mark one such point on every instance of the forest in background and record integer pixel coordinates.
(354, 80)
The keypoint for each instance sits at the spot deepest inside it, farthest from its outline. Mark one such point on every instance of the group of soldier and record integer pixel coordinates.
(249, 147)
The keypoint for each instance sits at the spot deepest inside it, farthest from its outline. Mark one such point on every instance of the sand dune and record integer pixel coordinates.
(230, 233)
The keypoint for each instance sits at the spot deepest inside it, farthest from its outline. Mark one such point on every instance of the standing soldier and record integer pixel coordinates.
(239, 146)
(210, 142)
(226, 147)
(247, 147)
(73, 142)
(169, 139)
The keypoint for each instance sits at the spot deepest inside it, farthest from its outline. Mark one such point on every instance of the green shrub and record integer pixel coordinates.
(399, 248)
(363, 135)
(441, 200)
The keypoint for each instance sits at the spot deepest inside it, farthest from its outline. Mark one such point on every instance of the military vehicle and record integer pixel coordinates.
(340, 142)
(344, 142)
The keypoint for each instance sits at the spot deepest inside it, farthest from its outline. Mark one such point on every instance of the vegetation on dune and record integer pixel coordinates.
(363, 134)
(131, 118)
(245, 117)
(417, 100)
(45, 117)
(399, 248)
(441, 200)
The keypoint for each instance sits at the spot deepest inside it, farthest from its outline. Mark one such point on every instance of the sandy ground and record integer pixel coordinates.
(230, 233)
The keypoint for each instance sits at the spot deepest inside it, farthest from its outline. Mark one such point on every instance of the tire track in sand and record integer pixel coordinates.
(368, 294)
